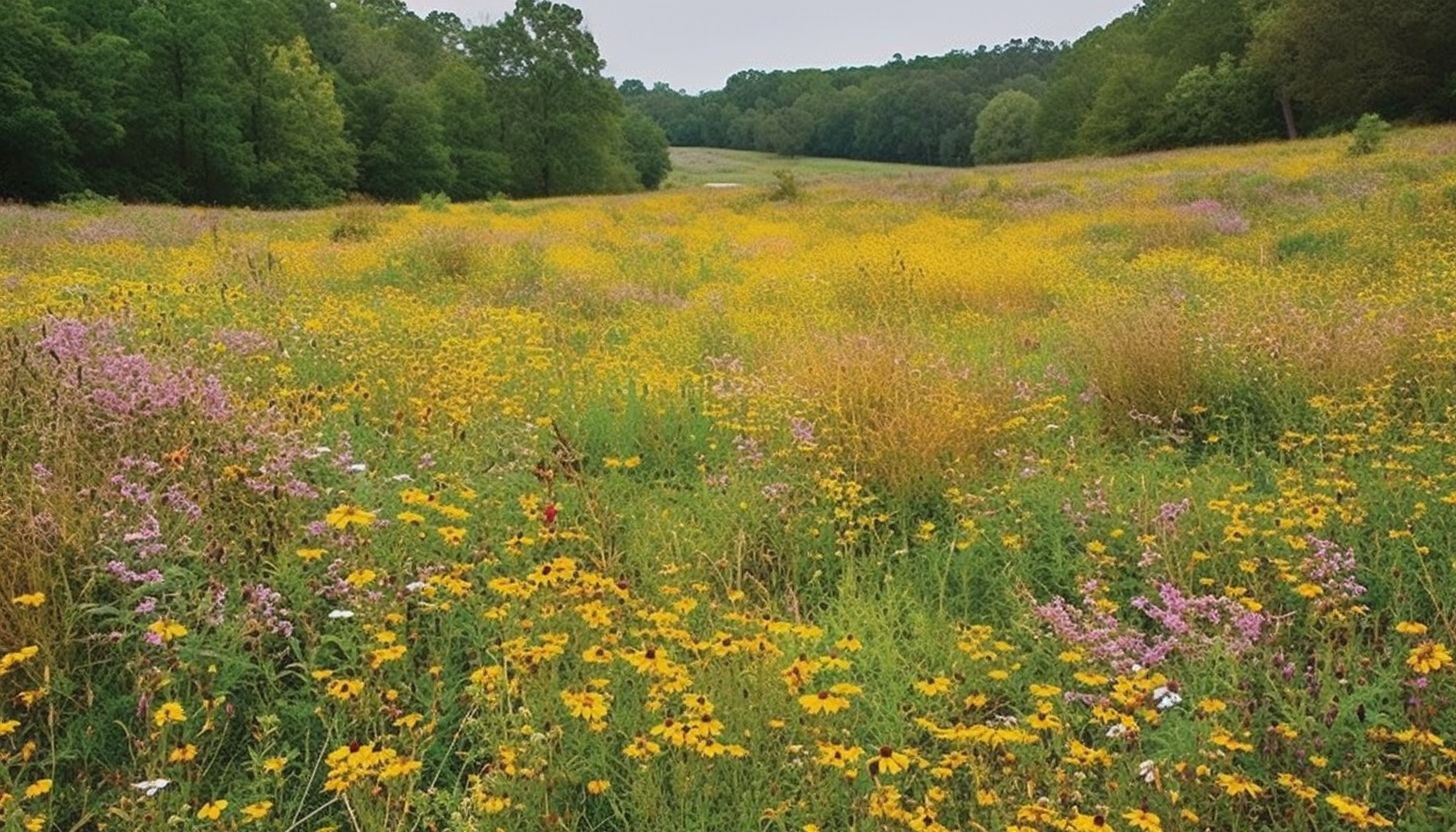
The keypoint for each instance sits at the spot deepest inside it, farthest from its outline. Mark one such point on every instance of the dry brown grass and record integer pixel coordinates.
(906, 417)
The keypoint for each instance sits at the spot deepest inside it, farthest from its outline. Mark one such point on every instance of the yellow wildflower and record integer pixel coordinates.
(823, 702)
(1236, 784)
(169, 712)
(1428, 656)
(212, 811)
(345, 515)
(257, 811)
(888, 761)
(166, 629)
(1143, 820)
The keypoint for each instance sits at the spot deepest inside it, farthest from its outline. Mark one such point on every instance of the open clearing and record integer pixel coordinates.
(1105, 494)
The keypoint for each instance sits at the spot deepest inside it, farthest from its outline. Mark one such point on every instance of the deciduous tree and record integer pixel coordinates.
(1005, 129)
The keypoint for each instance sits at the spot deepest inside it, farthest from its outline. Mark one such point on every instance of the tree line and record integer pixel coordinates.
(296, 103)
(1169, 73)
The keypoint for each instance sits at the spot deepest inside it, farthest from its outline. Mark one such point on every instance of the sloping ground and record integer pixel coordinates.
(694, 166)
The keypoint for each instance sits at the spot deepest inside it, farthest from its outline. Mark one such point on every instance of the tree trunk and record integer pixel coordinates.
(1288, 108)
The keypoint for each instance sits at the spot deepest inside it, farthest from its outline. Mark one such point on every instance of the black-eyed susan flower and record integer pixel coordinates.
(641, 748)
(823, 702)
(345, 515)
(1235, 785)
(838, 756)
(168, 712)
(587, 704)
(888, 761)
(212, 811)
(938, 686)
(1044, 719)
(1088, 823)
(1143, 820)
(257, 811)
(345, 689)
(1428, 657)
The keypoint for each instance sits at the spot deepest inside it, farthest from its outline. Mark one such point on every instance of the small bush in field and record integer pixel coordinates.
(357, 222)
(786, 187)
(438, 203)
(1370, 133)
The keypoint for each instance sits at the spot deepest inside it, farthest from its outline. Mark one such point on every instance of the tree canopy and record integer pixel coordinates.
(1169, 73)
(921, 110)
(285, 103)
(282, 103)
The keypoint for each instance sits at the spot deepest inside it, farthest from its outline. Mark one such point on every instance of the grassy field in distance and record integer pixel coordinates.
(697, 166)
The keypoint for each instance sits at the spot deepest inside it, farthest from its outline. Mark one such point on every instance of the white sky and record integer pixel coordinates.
(697, 44)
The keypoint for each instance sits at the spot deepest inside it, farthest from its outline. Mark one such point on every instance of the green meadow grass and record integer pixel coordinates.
(1103, 494)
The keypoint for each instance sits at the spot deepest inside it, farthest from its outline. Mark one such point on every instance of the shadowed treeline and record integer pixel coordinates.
(1170, 73)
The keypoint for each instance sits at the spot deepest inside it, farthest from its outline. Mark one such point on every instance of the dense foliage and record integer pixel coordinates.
(1170, 73)
(297, 102)
(921, 110)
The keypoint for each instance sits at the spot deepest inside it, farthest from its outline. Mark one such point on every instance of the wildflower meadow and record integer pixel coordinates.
(1093, 495)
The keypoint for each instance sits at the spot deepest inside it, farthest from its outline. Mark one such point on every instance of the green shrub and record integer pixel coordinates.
(88, 202)
(786, 187)
(438, 203)
(356, 222)
(500, 203)
(1370, 133)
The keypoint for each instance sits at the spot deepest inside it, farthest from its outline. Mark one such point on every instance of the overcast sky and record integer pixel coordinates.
(697, 44)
